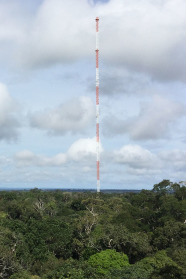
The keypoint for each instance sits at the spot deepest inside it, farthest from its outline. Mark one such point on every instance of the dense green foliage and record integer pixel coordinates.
(107, 260)
(60, 235)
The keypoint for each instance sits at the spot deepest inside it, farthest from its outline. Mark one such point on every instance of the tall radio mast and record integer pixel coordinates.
(97, 105)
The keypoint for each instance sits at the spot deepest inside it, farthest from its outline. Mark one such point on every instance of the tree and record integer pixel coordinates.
(163, 266)
(8, 262)
(171, 234)
(72, 269)
(41, 230)
(108, 259)
(134, 271)
(164, 187)
(180, 192)
(136, 245)
(24, 275)
(178, 254)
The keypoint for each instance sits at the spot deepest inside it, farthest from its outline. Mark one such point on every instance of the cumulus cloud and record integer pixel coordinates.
(153, 122)
(82, 150)
(59, 33)
(135, 156)
(74, 116)
(9, 123)
(146, 37)
(136, 162)
(155, 119)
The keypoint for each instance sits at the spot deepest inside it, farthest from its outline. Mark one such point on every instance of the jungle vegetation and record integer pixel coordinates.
(59, 235)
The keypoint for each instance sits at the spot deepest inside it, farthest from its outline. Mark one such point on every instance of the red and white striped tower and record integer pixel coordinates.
(97, 104)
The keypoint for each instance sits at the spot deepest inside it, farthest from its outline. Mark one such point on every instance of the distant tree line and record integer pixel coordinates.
(60, 235)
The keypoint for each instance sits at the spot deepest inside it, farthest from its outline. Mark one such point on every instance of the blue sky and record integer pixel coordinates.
(47, 93)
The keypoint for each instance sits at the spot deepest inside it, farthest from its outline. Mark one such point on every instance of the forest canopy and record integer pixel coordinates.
(59, 235)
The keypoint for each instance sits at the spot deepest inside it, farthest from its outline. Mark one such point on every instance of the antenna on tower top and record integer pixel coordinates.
(97, 105)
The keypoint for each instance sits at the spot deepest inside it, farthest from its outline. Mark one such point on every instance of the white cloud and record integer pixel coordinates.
(135, 157)
(153, 122)
(146, 36)
(81, 151)
(130, 164)
(116, 80)
(175, 159)
(9, 123)
(10, 32)
(60, 32)
(136, 161)
(155, 118)
(27, 158)
(73, 116)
